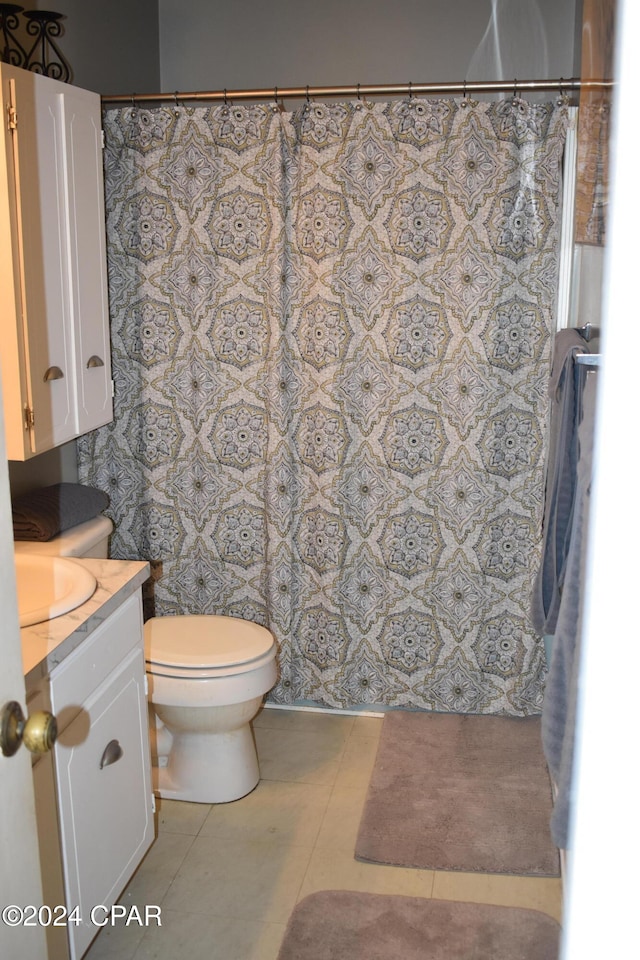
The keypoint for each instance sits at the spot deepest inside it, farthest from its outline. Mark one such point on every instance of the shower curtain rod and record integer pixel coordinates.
(516, 87)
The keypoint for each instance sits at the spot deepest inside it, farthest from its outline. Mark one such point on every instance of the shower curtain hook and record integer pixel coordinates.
(308, 100)
(175, 98)
(562, 95)
(515, 91)
(224, 93)
(410, 92)
(358, 91)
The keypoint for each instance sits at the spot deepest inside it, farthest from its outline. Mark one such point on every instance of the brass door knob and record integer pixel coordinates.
(38, 732)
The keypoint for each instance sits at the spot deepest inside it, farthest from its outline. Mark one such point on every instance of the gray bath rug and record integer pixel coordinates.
(452, 792)
(340, 925)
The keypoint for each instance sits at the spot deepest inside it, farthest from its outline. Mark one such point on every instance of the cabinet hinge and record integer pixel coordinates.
(153, 803)
(146, 686)
(29, 419)
(12, 117)
(102, 141)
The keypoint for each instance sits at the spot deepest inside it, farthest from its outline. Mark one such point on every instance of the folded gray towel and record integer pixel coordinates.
(43, 514)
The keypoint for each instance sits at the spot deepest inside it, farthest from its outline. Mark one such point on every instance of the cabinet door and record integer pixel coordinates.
(88, 259)
(41, 235)
(53, 300)
(104, 795)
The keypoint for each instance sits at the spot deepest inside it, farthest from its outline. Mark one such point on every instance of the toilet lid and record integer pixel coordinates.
(198, 642)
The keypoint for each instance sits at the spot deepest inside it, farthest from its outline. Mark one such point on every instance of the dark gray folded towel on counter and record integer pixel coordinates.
(43, 514)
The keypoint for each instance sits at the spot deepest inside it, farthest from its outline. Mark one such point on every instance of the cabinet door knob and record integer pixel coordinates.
(112, 753)
(94, 361)
(53, 373)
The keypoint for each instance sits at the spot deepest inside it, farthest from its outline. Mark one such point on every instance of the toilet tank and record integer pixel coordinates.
(89, 539)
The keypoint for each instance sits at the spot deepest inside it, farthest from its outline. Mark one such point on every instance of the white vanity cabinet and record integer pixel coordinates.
(54, 322)
(94, 802)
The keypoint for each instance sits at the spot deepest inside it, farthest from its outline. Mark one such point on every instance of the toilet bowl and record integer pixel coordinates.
(207, 678)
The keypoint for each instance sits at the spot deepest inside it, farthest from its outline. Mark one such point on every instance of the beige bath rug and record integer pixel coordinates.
(452, 792)
(340, 925)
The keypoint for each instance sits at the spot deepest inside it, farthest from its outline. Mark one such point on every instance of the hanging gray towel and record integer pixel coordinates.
(560, 482)
(44, 513)
(559, 705)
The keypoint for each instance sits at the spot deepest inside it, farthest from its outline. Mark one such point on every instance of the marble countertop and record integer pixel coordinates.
(45, 645)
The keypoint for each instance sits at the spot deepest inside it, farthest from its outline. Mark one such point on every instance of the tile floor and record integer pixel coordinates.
(227, 876)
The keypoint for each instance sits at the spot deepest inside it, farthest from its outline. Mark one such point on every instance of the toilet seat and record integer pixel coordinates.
(200, 647)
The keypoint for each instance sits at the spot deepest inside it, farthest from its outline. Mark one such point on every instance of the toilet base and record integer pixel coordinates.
(202, 743)
(209, 767)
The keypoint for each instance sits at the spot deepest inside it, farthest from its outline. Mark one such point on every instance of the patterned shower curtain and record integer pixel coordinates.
(331, 343)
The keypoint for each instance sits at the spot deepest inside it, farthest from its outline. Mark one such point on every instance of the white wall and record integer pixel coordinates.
(601, 906)
(241, 44)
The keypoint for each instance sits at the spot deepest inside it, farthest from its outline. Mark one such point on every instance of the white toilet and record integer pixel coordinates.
(207, 678)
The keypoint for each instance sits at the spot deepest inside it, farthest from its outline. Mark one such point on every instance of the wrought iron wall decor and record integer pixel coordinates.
(12, 50)
(37, 50)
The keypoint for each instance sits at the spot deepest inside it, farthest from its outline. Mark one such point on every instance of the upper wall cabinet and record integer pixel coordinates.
(56, 370)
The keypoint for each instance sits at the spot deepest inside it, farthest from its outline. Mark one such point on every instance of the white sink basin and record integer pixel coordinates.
(49, 587)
